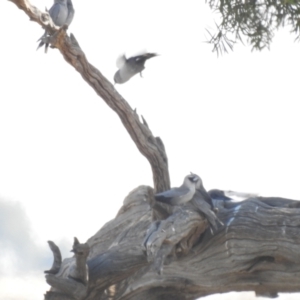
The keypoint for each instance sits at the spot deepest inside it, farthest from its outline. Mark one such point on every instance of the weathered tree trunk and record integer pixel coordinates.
(154, 251)
(257, 249)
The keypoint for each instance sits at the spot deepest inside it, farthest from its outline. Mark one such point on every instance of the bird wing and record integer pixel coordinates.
(121, 60)
(71, 12)
(142, 57)
(218, 195)
(205, 196)
(204, 207)
(176, 193)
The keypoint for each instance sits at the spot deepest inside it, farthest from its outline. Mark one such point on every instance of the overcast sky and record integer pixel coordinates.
(67, 163)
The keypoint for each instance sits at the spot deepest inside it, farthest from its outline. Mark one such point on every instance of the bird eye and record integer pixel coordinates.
(193, 178)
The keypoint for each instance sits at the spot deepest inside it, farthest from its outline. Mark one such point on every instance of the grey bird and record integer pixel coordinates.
(128, 67)
(216, 194)
(182, 194)
(71, 12)
(62, 13)
(202, 202)
(201, 192)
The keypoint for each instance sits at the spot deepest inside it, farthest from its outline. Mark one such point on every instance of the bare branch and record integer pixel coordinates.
(139, 132)
(256, 250)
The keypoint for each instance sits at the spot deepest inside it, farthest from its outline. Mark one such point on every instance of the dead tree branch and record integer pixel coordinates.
(151, 147)
(257, 249)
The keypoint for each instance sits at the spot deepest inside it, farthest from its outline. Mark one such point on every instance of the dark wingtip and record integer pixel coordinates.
(218, 195)
(40, 45)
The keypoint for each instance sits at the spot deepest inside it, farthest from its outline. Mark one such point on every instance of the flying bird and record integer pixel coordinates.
(62, 13)
(128, 67)
(182, 194)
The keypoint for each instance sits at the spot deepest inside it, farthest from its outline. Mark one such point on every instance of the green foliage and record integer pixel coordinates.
(255, 20)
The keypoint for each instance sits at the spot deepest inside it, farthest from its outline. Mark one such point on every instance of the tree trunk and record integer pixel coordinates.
(257, 249)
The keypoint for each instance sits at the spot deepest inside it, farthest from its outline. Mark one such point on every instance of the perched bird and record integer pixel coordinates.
(201, 192)
(182, 194)
(71, 12)
(62, 13)
(131, 66)
(202, 202)
(205, 209)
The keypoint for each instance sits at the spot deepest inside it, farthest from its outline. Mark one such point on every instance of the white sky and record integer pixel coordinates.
(67, 163)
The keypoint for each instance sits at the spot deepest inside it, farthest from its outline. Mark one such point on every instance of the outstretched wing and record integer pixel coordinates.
(121, 60)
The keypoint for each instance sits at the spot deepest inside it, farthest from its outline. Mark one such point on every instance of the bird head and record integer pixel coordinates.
(195, 179)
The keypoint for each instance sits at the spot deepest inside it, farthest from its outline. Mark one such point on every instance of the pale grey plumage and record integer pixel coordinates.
(182, 194)
(128, 67)
(71, 12)
(59, 12)
(204, 207)
(62, 13)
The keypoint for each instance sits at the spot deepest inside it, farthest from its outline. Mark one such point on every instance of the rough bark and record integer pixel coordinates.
(151, 147)
(257, 249)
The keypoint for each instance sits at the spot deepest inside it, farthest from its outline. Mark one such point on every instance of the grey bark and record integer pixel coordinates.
(257, 249)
